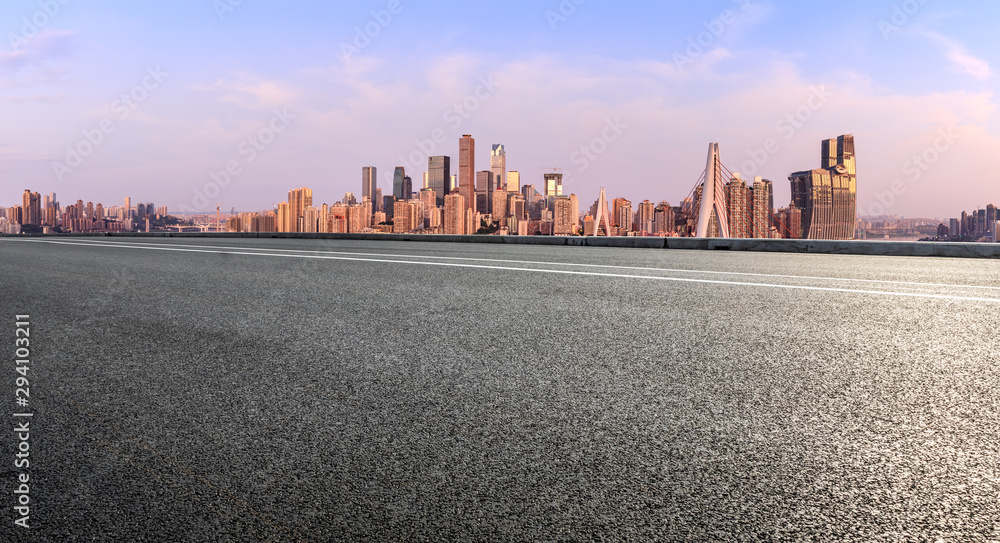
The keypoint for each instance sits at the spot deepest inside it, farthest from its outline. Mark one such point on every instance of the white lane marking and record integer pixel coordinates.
(605, 266)
(561, 272)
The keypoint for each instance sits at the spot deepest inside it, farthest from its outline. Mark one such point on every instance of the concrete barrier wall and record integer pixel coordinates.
(888, 248)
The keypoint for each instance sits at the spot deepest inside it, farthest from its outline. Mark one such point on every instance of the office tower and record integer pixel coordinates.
(369, 182)
(377, 202)
(498, 164)
(955, 229)
(827, 197)
(427, 181)
(553, 184)
(513, 181)
(454, 214)
(991, 217)
(484, 192)
(389, 205)
(467, 170)
(350, 199)
(128, 208)
(402, 186)
(439, 176)
(298, 200)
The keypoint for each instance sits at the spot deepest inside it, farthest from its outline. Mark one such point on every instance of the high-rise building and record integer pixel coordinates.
(645, 217)
(553, 184)
(128, 208)
(663, 218)
(513, 181)
(369, 182)
(298, 200)
(761, 195)
(499, 204)
(498, 164)
(738, 198)
(31, 206)
(566, 219)
(484, 191)
(454, 214)
(284, 220)
(402, 186)
(429, 200)
(439, 176)
(827, 197)
(467, 170)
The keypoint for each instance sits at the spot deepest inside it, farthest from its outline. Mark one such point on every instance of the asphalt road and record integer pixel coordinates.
(198, 389)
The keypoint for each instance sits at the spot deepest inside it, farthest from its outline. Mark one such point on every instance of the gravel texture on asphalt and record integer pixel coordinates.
(214, 396)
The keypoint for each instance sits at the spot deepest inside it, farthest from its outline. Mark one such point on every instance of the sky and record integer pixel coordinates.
(193, 103)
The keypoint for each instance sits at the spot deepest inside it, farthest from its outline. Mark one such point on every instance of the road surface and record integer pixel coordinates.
(200, 389)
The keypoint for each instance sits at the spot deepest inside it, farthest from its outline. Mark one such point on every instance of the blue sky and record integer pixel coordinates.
(620, 95)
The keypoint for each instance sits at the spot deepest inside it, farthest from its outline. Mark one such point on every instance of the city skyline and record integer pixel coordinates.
(722, 205)
(310, 91)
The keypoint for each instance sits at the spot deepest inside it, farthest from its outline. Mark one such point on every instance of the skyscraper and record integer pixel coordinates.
(513, 181)
(484, 191)
(298, 200)
(553, 184)
(498, 164)
(827, 197)
(467, 170)
(454, 215)
(402, 186)
(439, 176)
(762, 196)
(739, 212)
(31, 205)
(369, 182)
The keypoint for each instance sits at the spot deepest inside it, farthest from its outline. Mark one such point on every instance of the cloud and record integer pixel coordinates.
(961, 59)
(37, 61)
(251, 92)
